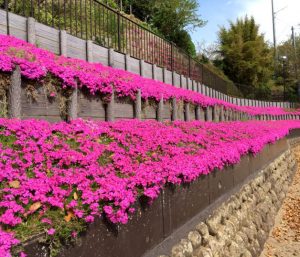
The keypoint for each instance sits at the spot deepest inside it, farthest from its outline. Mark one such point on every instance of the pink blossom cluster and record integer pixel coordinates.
(93, 168)
(7, 241)
(36, 63)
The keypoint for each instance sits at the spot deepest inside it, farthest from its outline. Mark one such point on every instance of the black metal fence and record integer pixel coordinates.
(92, 20)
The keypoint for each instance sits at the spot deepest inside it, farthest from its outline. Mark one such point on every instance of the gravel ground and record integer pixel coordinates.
(284, 238)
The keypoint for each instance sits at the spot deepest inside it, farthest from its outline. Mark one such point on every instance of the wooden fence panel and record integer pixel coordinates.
(47, 38)
(149, 110)
(124, 109)
(180, 110)
(3, 24)
(119, 61)
(167, 112)
(40, 106)
(168, 77)
(148, 70)
(76, 47)
(192, 112)
(90, 107)
(183, 82)
(159, 74)
(17, 26)
(100, 54)
(133, 65)
(176, 79)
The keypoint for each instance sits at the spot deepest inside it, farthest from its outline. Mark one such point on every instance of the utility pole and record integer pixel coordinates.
(295, 51)
(295, 60)
(274, 34)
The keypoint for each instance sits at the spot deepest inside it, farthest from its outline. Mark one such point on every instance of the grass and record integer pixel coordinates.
(33, 228)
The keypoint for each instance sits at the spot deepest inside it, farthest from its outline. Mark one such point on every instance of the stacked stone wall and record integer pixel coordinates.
(240, 226)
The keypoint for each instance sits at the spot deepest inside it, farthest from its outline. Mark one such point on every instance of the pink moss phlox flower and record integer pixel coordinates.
(7, 241)
(91, 168)
(36, 63)
(47, 221)
(51, 231)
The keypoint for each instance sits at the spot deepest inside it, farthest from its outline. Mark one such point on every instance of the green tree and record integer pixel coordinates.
(246, 57)
(288, 68)
(174, 19)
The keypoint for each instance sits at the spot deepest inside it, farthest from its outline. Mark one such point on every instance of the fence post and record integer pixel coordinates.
(63, 42)
(189, 83)
(164, 70)
(14, 94)
(187, 111)
(110, 108)
(204, 90)
(180, 79)
(228, 114)
(127, 56)
(73, 105)
(222, 117)
(197, 112)
(89, 51)
(138, 105)
(200, 115)
(174, 109)
(160, 109)
(7, 17)
(111, 57)
(31, 30)
(154, 77)
(142, 68)
(173, 78)
(215, 113)
(199, 88)
(208, 114)
(194, 85)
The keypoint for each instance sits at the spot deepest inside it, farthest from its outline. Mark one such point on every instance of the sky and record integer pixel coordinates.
(219, 12)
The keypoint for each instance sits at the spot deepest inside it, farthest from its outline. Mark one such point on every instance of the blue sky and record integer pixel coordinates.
(218, 12)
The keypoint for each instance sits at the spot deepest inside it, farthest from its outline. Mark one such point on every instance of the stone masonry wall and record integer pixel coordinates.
(240, 226)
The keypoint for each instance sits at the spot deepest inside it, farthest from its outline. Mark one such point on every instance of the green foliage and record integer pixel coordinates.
(105, 158)
(33, 227)
(7, 141)
(4, 83)
(173, 19)
(288, 68)
(246, 57)
(81, 17)
(3, 107)
(231, 87)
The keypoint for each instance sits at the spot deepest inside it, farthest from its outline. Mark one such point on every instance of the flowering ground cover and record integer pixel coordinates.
(57, 178)
(37, 64)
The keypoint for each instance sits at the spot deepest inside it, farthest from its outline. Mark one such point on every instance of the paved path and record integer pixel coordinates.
(284, 238)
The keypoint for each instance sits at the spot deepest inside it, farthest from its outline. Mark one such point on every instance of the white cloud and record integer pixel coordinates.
(288, 15)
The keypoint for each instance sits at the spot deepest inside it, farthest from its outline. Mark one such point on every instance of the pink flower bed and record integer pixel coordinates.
(92, 168)
(36, 63)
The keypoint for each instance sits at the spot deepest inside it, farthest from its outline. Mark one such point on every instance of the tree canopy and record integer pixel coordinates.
(174, 19)
(288, 67)
(246, 58)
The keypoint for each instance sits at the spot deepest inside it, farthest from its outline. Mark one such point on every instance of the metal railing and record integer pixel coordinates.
(93, 20)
